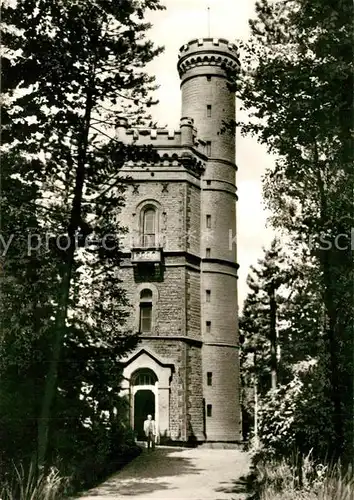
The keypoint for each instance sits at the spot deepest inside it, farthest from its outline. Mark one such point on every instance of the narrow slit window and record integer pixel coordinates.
(209, 78)
(208, 326)
(208, 110)
(207, 295)
(145, 317)
(207, 253)
(149, 228)
(209, 410)
(208, 148)
(210, 378)
(145, 311)
(208, 221)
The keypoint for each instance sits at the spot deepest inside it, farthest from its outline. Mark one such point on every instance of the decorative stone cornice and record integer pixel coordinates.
(192, 164)
(188, 160)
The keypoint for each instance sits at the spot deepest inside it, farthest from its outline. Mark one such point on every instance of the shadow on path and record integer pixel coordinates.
(134, 487)
(244, 485)
(162, 462)
(145, 474)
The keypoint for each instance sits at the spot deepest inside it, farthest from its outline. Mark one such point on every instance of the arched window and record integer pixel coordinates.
(144, 377)
(145, 311)
(149, 227)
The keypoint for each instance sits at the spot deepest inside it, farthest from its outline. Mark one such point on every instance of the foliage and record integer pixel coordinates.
(70, 71)
(297, 88)
(295, 417)
(28, 285)
(101, 450)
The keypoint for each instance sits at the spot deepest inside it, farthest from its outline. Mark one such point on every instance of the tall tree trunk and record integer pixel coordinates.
(52, 375)
(331, 333)
(273, 336)
(255, 387)
(50, 386)
(331, 336)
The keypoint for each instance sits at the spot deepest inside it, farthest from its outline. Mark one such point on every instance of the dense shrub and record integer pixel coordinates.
(295, 416)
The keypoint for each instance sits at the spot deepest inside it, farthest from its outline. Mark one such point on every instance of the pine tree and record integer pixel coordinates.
(260, 325)
(71, 70)
(286, 412)
(299, 77)
(260, 314)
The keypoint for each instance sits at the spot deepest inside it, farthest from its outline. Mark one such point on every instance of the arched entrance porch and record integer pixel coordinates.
(139, 362)
(144, 399)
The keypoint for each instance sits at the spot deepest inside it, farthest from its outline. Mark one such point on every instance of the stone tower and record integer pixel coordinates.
(179, 264)
(206, 98)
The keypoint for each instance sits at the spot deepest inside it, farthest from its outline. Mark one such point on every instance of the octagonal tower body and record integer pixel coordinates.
(207, 98)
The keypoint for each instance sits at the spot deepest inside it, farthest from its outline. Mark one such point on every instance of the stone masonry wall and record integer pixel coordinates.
(197, 93)
(224, 395)
(193, 219)
(169, 308)
(193, 312)
(173, 351)
(169, 199)
(195, 394)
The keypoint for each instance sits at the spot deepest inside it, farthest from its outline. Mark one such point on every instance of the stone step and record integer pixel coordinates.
(222, 446)
(208, 445)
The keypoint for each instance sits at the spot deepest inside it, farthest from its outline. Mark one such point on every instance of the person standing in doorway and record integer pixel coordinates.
(150, 431)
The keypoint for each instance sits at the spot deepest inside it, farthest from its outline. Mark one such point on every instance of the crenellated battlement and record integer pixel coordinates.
(147, 136)
(212, 52)
(161, 137)
(207, 43)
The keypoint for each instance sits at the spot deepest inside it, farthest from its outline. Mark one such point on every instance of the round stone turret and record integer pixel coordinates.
(207, 56)
(187, 131)
(204, 67)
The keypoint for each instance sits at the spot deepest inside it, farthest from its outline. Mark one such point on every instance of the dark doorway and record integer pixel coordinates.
(144, 405)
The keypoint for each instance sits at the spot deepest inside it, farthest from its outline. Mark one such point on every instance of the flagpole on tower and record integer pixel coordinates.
(208, 22)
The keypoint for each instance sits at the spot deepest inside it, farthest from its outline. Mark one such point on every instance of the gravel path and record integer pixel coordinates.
(178, 474)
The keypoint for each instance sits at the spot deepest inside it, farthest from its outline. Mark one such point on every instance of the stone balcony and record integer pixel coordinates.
(146, 255)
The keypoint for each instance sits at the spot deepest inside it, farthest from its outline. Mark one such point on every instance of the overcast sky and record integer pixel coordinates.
(182, 21)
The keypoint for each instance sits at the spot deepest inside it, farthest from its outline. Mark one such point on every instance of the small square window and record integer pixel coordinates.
(208, 326)
(209, 410)
(208, 183)
(208, 110)
(209, 78)
(207, 295)
(210, 378)
(207, 253)
(208, 221)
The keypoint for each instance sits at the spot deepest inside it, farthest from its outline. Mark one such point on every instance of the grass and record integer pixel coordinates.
(278, 480)
(338, 485)
(30, 486)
